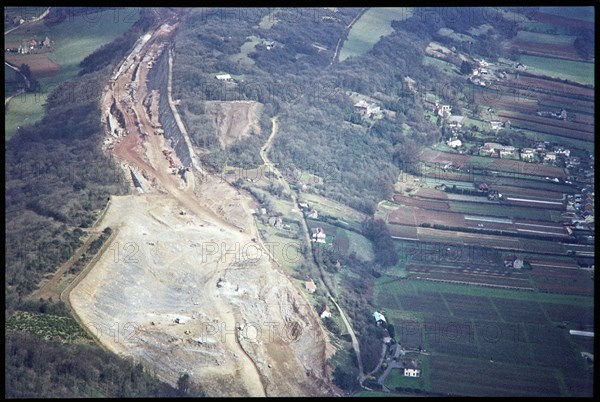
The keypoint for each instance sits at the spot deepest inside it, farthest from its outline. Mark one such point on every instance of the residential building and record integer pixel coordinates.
(365, 108)
(378, 317)
(527, 154)
(456, 121)
(444, 111)
(495, 149)
(318, 235)
(496, 125)
(454, 143)
(311, 287)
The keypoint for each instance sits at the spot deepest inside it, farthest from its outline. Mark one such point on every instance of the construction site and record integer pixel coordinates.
(184, 287)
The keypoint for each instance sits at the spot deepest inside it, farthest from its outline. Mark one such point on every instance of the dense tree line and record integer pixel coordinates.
(36, 368)
(385, 251)
(56, 181)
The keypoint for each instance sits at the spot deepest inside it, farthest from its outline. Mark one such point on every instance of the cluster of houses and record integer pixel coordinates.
(562, 115)
(494, 149)
(31, 46)
(539, 152)
(18, 20)
(581, 202)
(497, 125)
(483, 76)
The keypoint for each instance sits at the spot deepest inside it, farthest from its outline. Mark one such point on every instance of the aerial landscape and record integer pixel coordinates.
(302, 202)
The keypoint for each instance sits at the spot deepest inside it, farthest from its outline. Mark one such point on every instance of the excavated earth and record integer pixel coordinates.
(184, 286)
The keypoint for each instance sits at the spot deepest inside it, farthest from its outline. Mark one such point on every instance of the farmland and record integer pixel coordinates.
(451, 230)
(475, 337)
(369, 28)
(577, 71)
(72, 40)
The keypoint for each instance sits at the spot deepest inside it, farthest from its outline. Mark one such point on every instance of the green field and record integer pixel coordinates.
(23, 110)
(248, 47)
(577, 71)
(370, 27)
(508, 211)
(74, 39)
(343, 213)
(396, 378)
(578, 13)
(537, 37)
(468, 326)
(345, 241)
(572, 142)
(443, 65)
(287, 251)
(391, 285)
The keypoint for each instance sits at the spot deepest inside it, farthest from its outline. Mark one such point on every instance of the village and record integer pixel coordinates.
(31, 46)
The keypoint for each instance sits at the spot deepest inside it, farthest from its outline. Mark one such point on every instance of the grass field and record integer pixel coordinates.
(74, 39)
(23, 110)
(564, 69)
(391, 285)
(335, 209)
(446, 67)
(578, 13)
(528, 36)
(370, 27)
(247, 48)
(286, 251)
(508, 211)
(396, 378)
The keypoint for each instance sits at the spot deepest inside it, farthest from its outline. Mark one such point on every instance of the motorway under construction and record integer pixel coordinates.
(184, 287)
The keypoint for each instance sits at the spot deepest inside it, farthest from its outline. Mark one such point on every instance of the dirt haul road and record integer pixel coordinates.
(184, 287)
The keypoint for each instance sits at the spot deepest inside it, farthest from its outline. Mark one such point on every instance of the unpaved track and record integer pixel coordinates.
(264, 156)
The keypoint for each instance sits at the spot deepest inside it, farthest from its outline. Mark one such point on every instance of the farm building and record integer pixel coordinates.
(318, 235)
(454, 143)
(411, 370)
(495, 150)
(581, 333)
(550, 157)
(326, 312)
(223, 77)
(379, 318)
(311, 287)
(456, 121)
(496, 125)
(513, 262)
(527, 154)
(443, 110)
(365, 108)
